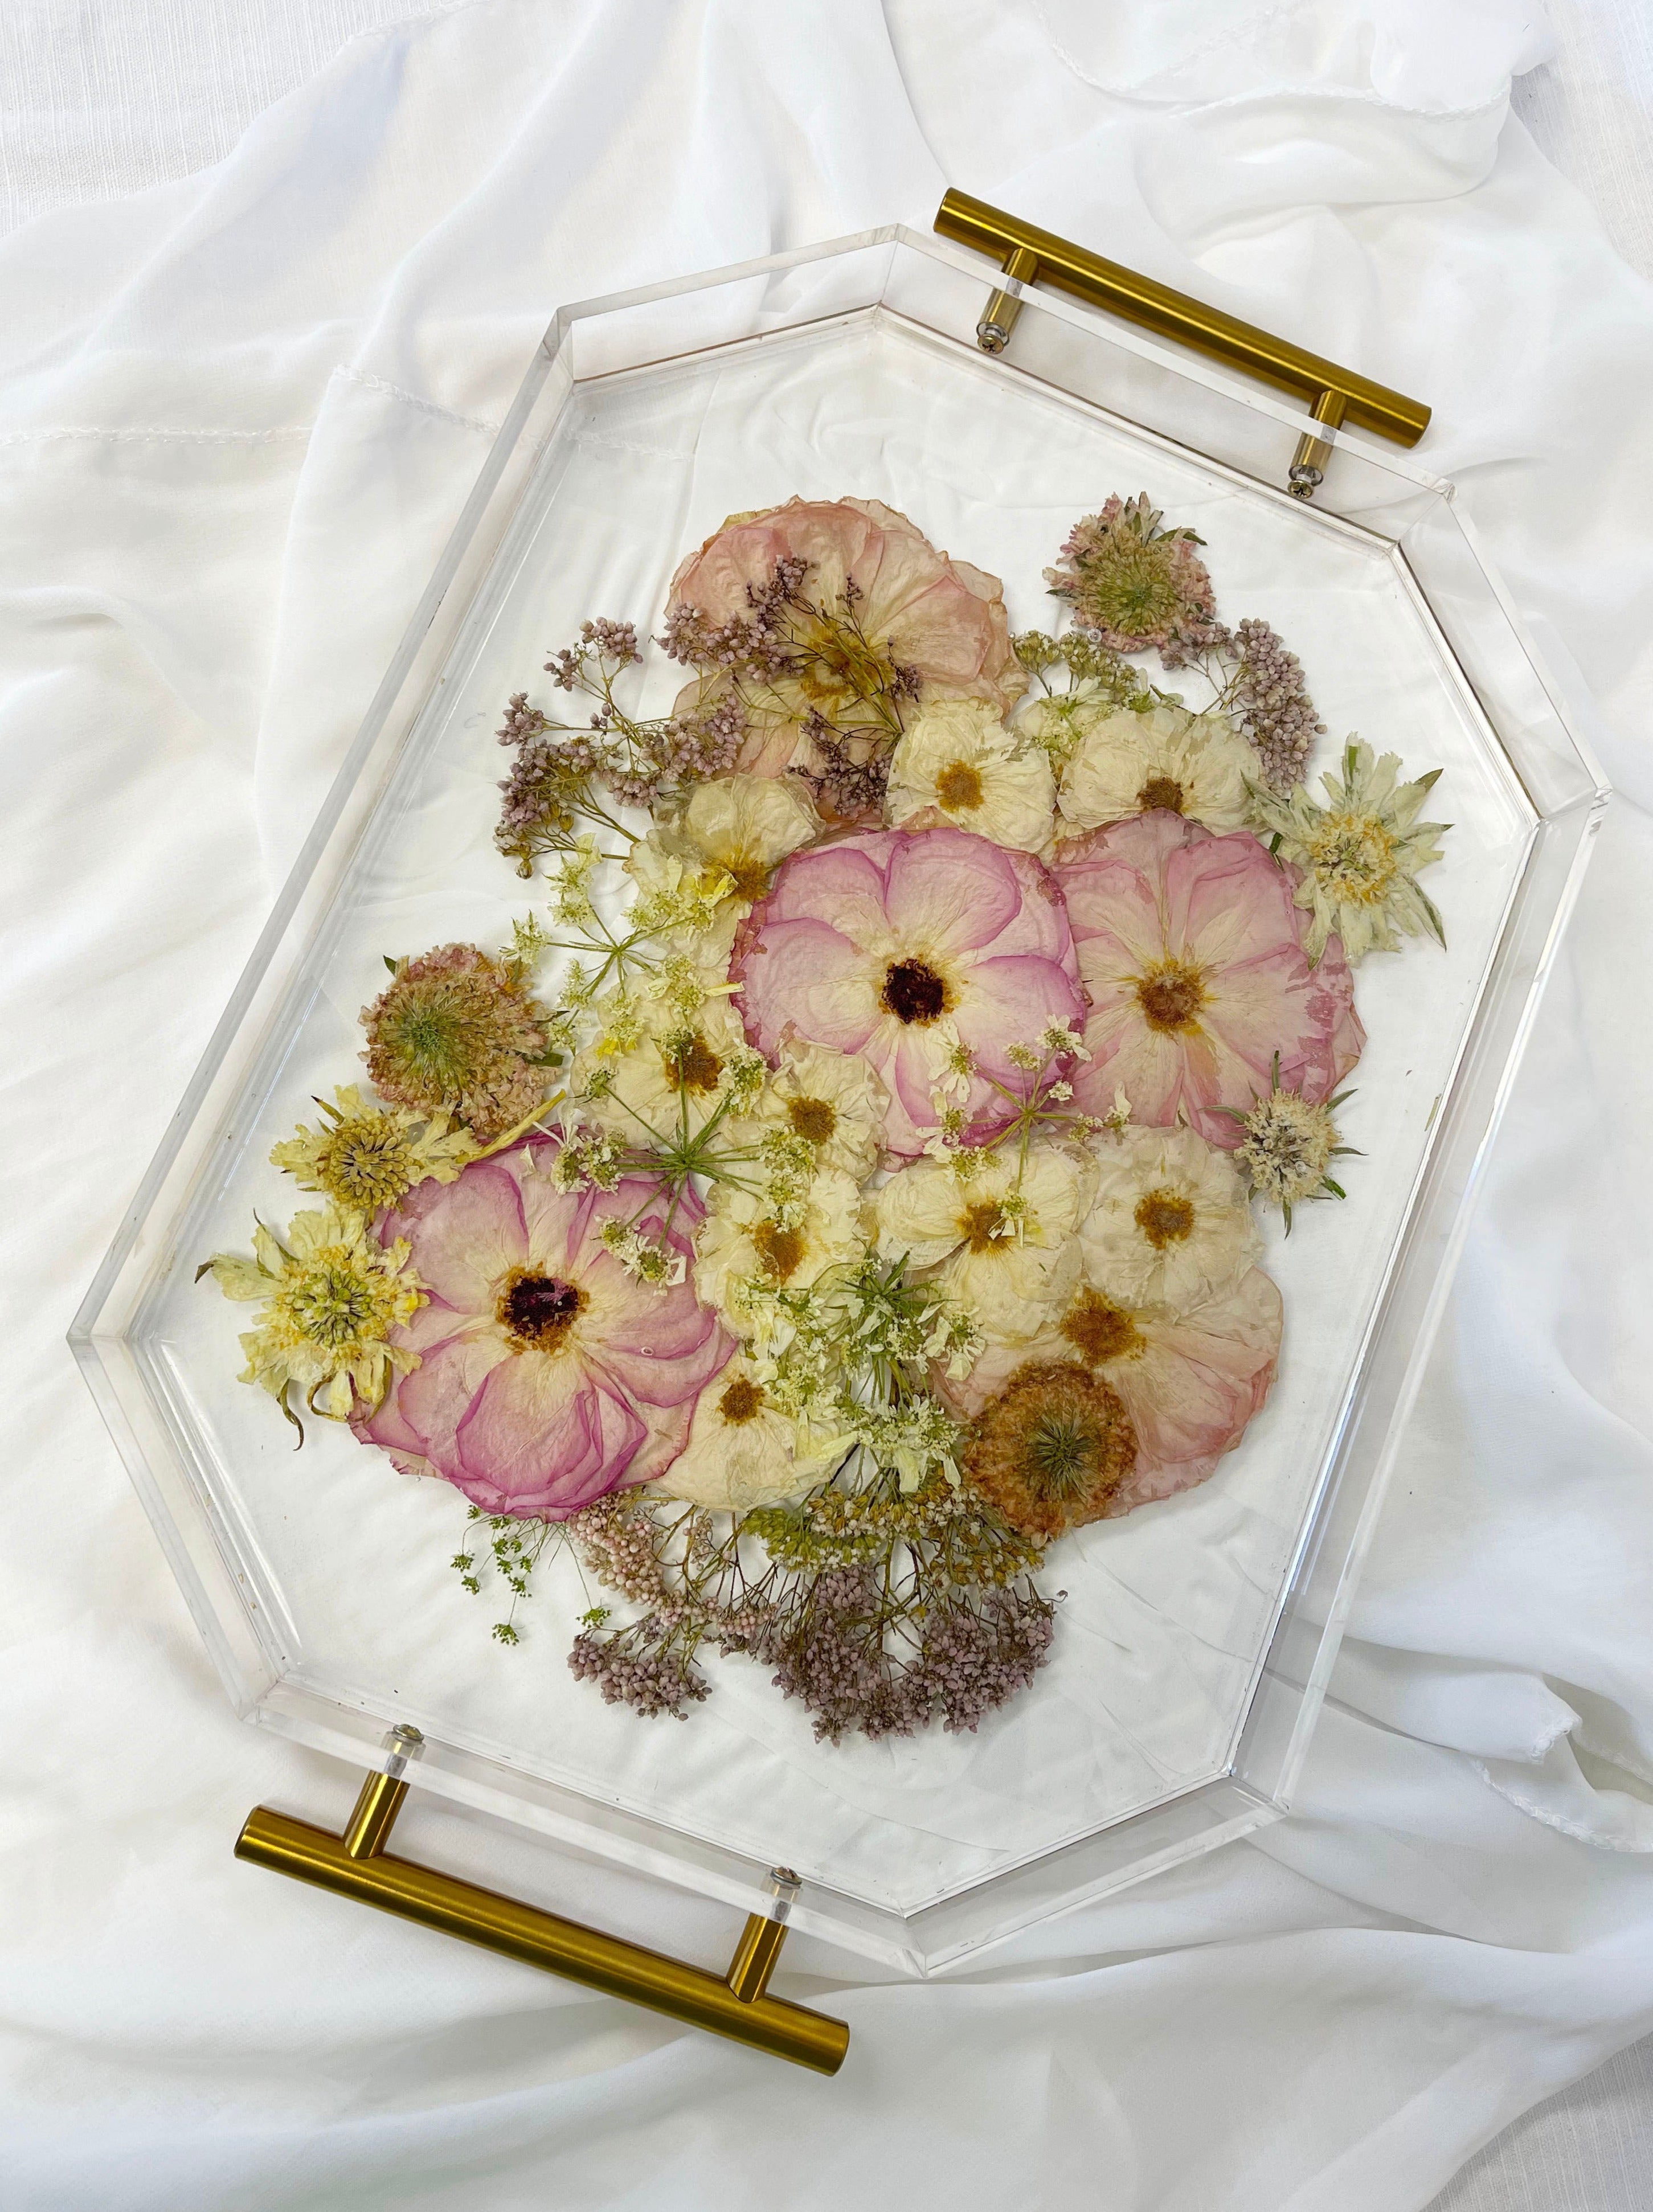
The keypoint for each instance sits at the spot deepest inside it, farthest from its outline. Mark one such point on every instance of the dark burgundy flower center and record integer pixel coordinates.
(913, 992)
(538, 1310)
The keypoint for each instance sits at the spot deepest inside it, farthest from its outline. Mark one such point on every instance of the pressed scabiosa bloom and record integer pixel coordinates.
(1052, 1449)
(458, 1033)
(547, 1373)
(958, 764)
(1191, 949)
(336, 1304)
(999, 1232)
(1195, 765)
(369, 1156)
(1190, 1378)
(1359, 854)
(929, 953)
(1170, 1223)
(1132, 583)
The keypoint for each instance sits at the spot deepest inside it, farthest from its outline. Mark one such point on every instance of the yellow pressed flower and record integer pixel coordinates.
(369, 1157)
(1359, 854)
(333, 1294)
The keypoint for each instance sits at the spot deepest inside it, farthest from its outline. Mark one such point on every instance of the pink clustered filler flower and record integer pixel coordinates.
(869, 1206)
(548, 1375)
(930, 954)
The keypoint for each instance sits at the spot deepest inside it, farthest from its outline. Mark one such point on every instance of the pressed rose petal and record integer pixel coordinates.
(466, 1233)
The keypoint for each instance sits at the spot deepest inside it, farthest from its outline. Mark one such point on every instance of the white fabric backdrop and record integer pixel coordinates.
(235, 416)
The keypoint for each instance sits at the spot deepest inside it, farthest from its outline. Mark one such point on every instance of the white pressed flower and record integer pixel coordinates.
(1359, 853)
(958, 764)
(1195, 765)
(743, 1451)
(1001, 1237)
(656, 1075)
(745, 825)
(746, 1238)
(1170, 1223)
(1058, 722)
(834, 1102)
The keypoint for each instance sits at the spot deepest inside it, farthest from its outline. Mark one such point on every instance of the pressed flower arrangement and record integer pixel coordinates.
(844, 1187)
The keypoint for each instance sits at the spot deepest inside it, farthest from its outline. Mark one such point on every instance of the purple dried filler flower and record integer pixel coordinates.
(1271, 704)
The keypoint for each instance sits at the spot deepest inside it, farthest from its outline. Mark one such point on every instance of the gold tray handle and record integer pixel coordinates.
(1028, 256)
(356, 1864)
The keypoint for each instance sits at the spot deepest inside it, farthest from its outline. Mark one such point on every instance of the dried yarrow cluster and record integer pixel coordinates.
(880, 1610)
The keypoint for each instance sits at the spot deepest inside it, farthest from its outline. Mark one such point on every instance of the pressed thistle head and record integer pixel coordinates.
(456, 1032)
(1288, 1148)
(1052, 1449)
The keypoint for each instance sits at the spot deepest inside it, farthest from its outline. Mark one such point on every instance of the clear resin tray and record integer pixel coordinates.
(1195, 1636)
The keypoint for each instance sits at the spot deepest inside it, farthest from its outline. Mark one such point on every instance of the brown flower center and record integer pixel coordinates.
(741, 1402)
(1164, 1217)
(913, 992)
(779, 1249)
(1170, 996)
(1099, 1330)
(812, 1119)
(751, 878)
(1051, 1450)
(536, 1311)
(691, 1061)
(1161, 791)
(959, 787)
(983, 1224)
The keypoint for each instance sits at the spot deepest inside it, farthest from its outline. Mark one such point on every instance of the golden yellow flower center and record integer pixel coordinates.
(1098, 1330)
(959, 787)
(782, 1250)
(914, 993)
(751, 878)
(1160, 792)
(536, 1311)
(692, 1062)
(1164, 1217)
(983, 1226)
(812, 1119)
(741, 1402)
(1170, 995)
(1354, 856)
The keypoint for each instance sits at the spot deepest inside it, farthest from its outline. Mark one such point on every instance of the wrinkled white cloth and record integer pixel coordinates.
(236, 415)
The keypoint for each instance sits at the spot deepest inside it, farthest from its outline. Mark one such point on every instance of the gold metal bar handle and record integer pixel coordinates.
(355, 1864)
(1029, 255)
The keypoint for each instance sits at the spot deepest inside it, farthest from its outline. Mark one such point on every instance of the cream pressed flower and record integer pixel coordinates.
(832, 1101)
(998, 1232)
(333, 1294)
(1288, 1148)
(748, 1238)
(743, 1451)
(1195, 765)
(369, 1157)
(656, 1075)
(958, 764)
(1170, 1223)
(746, 825)
(1359, 854)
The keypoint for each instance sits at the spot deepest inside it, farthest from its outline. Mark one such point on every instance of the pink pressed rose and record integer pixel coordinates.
(1191, 949)
(914, 949)
(940, 618)
(548, 1375)
(1190, 1381)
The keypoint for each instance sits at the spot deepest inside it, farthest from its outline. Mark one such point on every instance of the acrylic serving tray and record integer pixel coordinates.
(1196, 1635)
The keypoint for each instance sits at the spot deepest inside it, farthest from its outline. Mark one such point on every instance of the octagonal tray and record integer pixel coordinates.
(1195, 1635)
